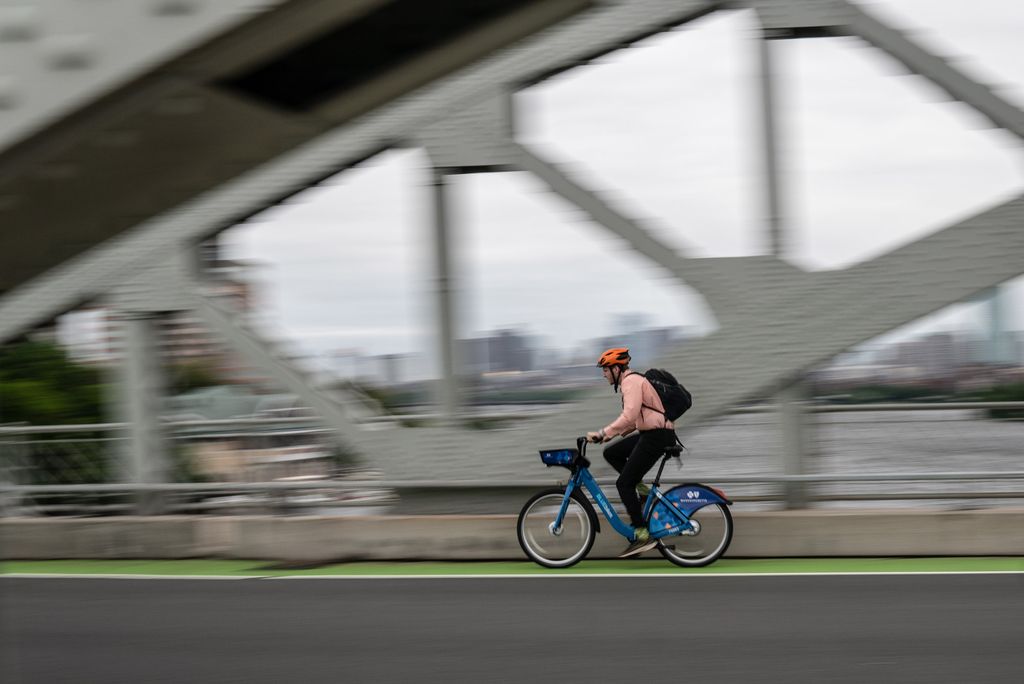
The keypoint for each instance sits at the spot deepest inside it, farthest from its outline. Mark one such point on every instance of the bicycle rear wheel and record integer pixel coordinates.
(705, 543)
(556, 548)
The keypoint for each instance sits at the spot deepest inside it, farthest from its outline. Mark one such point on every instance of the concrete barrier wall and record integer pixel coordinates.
(319, 539)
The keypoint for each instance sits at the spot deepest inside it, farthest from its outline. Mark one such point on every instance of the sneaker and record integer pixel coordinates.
(642, 490)
(641, 542)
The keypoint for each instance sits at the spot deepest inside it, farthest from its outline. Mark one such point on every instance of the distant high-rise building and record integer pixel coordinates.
(938, 355)
(474, 355)
(645, 346)
(93, 334)
(509, 351)
(391, 368)
(1018, 347)
(999, 341)
(502, 351)
(973, 349)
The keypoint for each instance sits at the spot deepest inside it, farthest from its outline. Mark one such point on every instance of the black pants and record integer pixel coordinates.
(632, 457)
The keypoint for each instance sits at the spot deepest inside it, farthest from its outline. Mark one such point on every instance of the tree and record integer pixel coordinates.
(1008, 392)
(39, 384)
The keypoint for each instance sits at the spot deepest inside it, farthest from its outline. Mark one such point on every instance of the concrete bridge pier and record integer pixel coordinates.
(796, 425)
(144, 453)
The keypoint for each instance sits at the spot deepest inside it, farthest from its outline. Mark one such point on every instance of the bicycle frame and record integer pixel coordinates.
(582, 478)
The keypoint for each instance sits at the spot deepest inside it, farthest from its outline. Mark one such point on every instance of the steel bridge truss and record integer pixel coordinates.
(776, 321)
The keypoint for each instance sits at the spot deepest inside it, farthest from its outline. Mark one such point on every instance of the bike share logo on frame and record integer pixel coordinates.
(695, 495)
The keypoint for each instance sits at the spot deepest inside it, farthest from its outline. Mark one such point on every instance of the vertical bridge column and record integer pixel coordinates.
(444, 292)
(145, 455)
(11, 457)
(796, 424)
(999, 343)
(775, 221)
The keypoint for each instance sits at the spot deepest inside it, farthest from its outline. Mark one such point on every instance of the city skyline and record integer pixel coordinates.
(960, 348)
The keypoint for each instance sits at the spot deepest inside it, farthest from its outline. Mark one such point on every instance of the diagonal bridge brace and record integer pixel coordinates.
(776, 321)
(726, 290)
(798, 325)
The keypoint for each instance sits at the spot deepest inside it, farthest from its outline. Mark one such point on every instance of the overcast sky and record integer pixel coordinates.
(667, 132)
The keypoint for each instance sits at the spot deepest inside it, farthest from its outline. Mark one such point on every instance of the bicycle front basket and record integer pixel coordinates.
(559, 457)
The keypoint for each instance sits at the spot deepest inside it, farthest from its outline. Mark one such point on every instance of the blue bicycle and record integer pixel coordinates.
(557, 527)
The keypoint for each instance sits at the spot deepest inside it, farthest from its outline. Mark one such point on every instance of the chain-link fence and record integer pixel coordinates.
(898, 455)
(244, 466)
(37, 458)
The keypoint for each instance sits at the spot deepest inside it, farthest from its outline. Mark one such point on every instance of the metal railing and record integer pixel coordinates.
(333, 496)
(69, 469)
(762, 408)
(916, 406)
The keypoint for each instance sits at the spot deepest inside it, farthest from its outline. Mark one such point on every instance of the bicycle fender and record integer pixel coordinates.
(693, 495)
(684, 498)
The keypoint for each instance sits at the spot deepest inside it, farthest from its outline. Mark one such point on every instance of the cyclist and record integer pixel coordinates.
(642, 414)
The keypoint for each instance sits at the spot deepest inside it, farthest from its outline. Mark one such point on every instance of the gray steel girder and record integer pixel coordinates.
(776, 320)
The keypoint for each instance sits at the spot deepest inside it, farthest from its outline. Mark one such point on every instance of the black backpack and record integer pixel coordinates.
(674, 397)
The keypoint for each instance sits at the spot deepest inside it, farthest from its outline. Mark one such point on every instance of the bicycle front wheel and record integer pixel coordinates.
(561, 547)
(705, 542)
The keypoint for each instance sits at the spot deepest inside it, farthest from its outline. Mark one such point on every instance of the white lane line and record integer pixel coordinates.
(86, 575)
(28, 575)
(663, 574)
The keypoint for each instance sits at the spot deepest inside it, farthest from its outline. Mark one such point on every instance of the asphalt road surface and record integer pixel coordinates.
(935, 628)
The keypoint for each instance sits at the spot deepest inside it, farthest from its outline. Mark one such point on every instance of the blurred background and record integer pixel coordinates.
(318, 277)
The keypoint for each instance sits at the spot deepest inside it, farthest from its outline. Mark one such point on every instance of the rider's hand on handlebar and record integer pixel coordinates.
(596, 437)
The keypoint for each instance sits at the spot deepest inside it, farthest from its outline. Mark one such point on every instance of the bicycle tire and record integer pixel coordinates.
(568, 546)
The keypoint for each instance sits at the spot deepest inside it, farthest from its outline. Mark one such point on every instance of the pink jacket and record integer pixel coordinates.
(637, 395)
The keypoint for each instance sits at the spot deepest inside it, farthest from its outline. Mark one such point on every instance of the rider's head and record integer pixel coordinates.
(612, 363)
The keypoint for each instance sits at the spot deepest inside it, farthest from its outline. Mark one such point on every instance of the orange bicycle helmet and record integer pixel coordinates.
(616, 356)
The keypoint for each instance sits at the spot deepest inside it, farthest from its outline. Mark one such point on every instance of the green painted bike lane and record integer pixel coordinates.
(256, 568)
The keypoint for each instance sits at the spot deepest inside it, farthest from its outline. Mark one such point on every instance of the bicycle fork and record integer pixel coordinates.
(555, 527)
